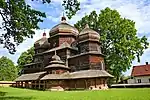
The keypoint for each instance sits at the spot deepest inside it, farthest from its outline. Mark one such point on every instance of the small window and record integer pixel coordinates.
(139, 80)
(50, 72)
(57, 71)
(149, 80)
(53, 72)
(39, 65)
(54, 44)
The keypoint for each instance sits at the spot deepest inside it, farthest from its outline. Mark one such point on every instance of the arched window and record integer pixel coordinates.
(53, 72)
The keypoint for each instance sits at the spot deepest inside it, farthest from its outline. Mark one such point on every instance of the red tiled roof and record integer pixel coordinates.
(141, 70)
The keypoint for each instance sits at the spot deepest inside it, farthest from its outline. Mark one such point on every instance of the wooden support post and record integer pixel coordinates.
(100, 81)
(44, 85)
(39, 84)
(16, 84)
(75, 84)
(27, 84)
(23, 83)
(31, 84)
(104, 82)
(85, 83)
(35, 85)
(95, 82)
(19, 84)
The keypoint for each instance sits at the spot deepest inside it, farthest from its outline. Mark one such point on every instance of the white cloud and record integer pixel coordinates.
(53, 19)
(61, 1)
(57, 1)
(28, 43)
(133, 9)
(1, 20)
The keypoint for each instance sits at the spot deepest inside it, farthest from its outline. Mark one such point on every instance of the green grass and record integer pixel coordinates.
(111, 94)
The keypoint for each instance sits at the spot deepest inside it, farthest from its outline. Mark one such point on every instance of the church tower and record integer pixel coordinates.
(61, 33)
(89, 56)
(88, 40)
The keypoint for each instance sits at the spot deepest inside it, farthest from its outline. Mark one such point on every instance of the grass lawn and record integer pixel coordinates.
(111, 94)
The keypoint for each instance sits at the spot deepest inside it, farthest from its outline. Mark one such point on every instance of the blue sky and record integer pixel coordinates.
(137, 10)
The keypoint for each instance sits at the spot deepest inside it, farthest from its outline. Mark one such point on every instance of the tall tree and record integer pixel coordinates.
(119, 39)
(26, 57)
(8, 70)
(19, 19)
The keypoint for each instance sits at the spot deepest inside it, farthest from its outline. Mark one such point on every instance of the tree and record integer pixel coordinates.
(8, 70)
(26, 57)
(120, 43)
(19, 19)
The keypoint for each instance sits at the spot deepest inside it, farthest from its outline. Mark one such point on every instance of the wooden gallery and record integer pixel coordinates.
(68, 59)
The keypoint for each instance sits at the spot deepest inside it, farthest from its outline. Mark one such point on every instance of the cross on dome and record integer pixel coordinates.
(63, 18)
(55, 57)
(87, 26)
(44, 34)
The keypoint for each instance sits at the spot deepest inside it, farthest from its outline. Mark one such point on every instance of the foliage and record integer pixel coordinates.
(26, 57)
(120, 43)
(8, 71)
(71, 7)
(19, 19)
(112, 94)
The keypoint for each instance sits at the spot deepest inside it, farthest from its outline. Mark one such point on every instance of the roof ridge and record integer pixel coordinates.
(141, 65)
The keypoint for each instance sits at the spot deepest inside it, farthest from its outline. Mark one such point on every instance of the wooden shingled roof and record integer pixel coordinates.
(89, 74)
(62, 46)
(57, 66)
(141, 70)
(78, 75)
(29, 77)
(73, 75)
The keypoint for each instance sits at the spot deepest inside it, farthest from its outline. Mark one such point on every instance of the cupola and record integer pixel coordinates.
(56, 64)
(89, 40)
(42, 43)
(88, 34)
(63, 29)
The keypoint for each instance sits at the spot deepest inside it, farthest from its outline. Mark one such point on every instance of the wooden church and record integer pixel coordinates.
(67, 60)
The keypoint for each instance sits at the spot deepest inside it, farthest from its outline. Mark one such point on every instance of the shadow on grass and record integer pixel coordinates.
(4, 97)
(30, 88)
(15, 98)
(3, 93)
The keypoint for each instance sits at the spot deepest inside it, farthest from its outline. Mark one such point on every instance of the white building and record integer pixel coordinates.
(140, 74)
